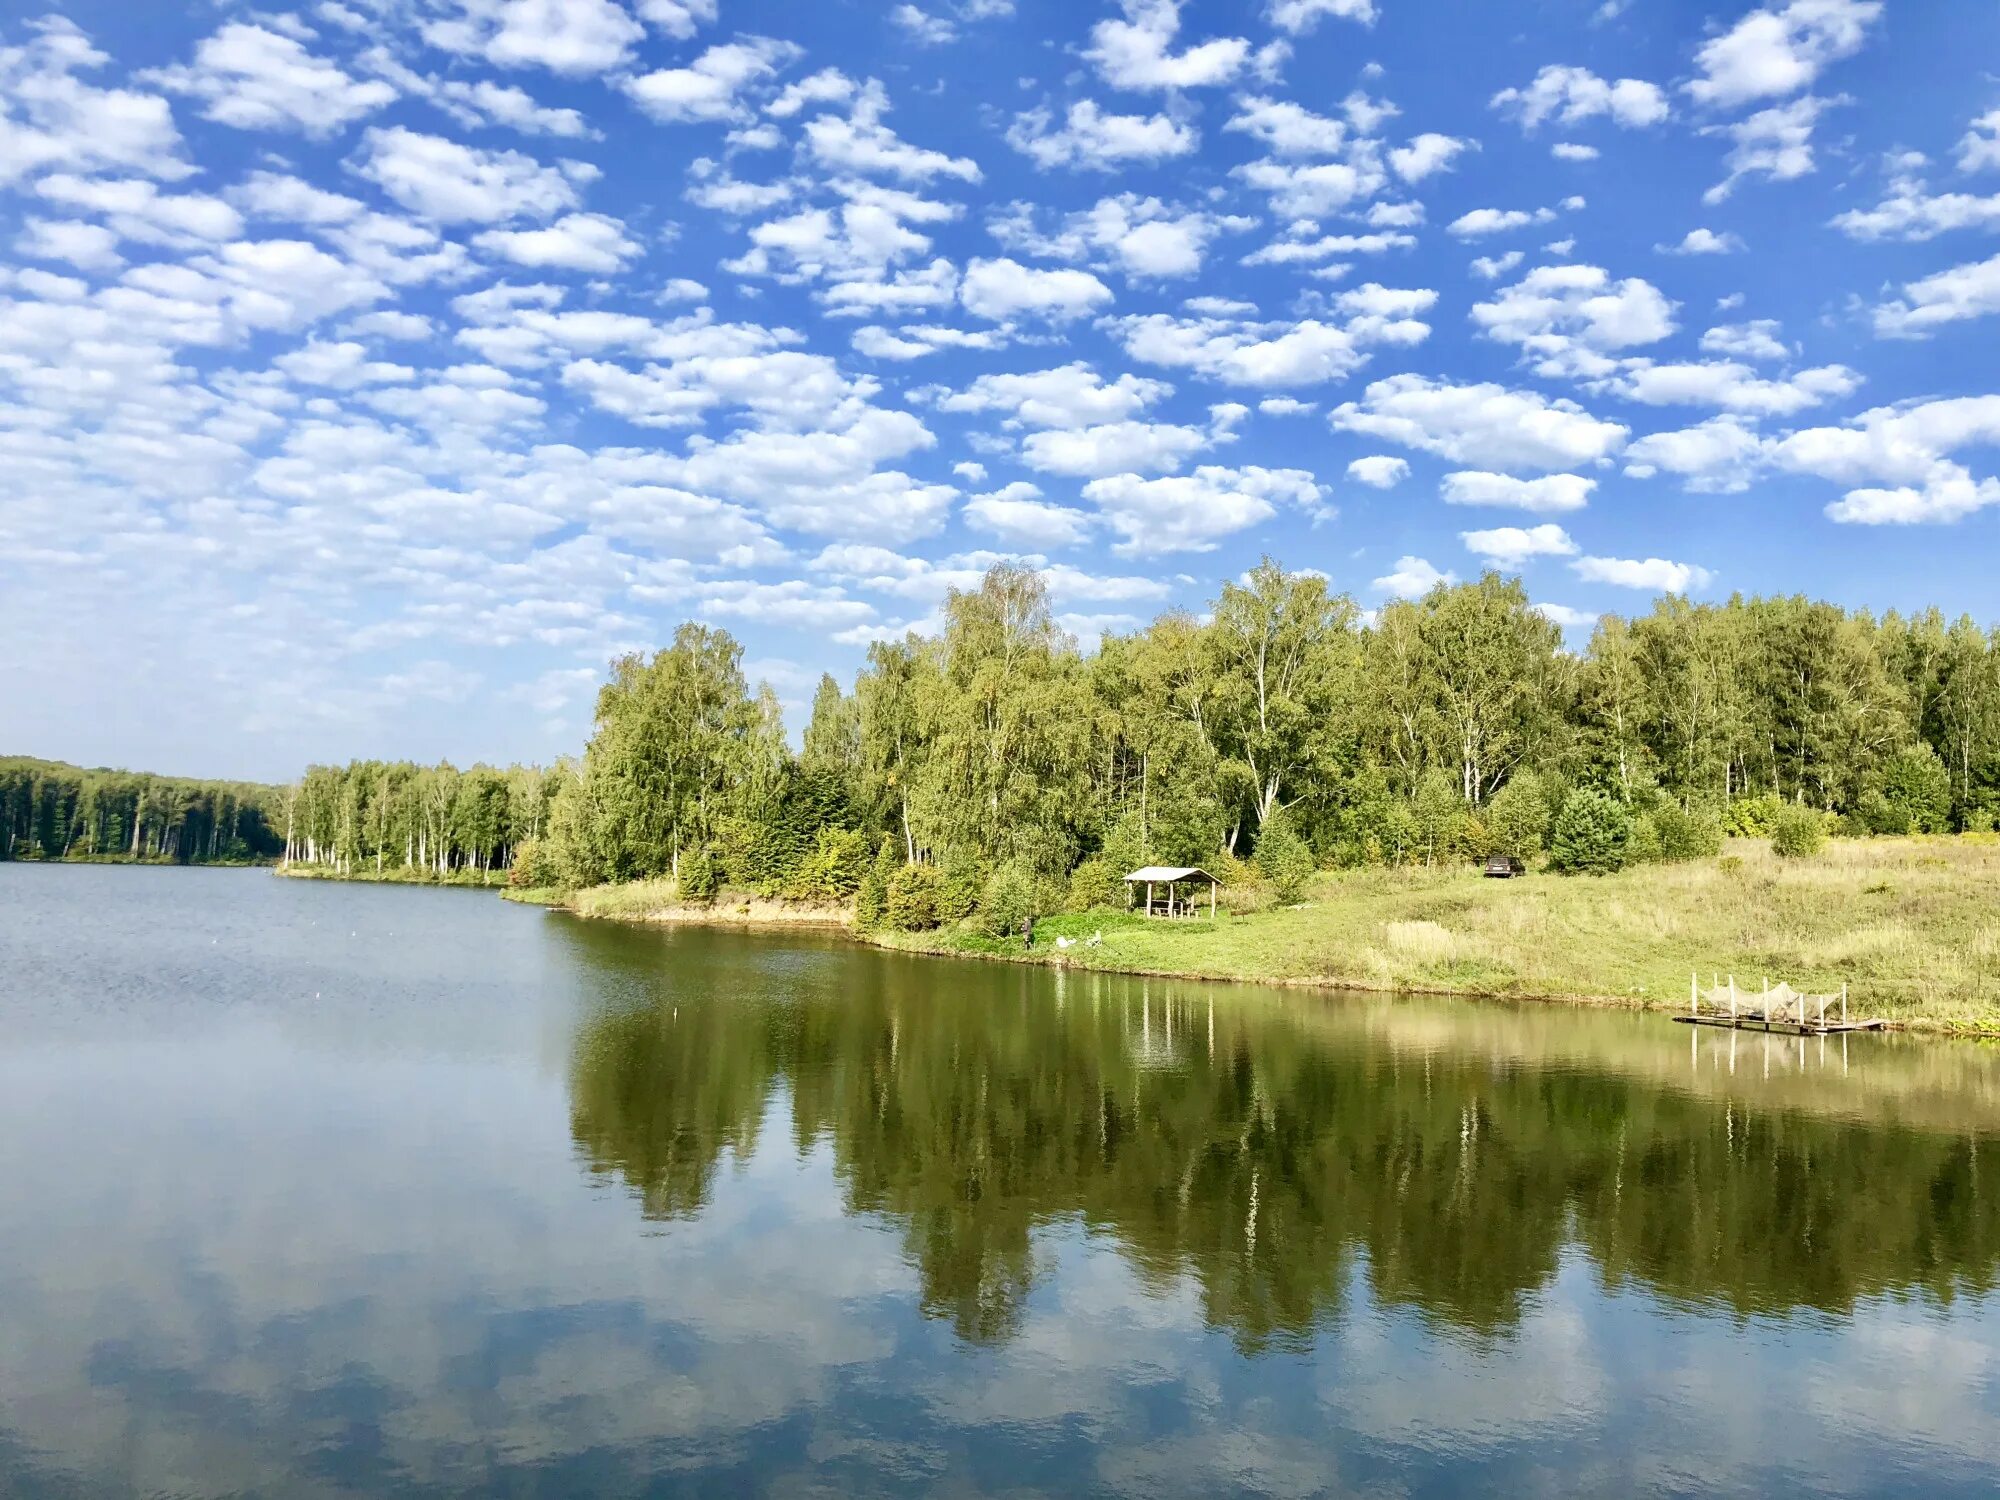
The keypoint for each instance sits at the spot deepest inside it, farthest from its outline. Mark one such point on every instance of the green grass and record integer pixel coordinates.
(477, 879)
(1912, 926)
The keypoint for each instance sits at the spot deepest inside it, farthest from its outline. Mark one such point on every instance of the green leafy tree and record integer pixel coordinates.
(1518, 817)
(912, 904)
(1282, 857)
(1590, 835)
(1009, 900)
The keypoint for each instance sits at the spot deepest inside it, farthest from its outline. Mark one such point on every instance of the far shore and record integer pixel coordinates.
(1909, 925)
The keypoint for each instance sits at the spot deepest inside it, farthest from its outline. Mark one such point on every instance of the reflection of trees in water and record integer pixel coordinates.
(1234, 1146)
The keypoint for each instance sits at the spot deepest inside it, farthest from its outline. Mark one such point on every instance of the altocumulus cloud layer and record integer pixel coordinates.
(371, 372)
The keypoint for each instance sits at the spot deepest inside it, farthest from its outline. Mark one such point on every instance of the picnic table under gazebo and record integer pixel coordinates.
(1183, 885)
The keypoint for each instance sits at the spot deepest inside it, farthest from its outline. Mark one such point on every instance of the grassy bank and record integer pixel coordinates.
(1912, 926)
(659, 901)
(476, 879)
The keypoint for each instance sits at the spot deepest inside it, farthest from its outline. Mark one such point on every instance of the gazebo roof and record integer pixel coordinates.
(1167, 874)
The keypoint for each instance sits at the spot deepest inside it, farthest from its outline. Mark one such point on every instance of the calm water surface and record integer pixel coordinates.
(322, 1190)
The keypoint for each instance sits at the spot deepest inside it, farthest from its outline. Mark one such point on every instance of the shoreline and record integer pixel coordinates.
(736, 909)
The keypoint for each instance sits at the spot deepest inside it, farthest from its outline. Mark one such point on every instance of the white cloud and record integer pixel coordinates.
(1018, 515)
(1778, 51)
(1567, 617)
(1728, 385)
(1287, 128)
(483, 101)
(1567, 317)
(1756, 339)
(1480, 222)
(1268, 355)
(1379, 471)
(1570, 96)
(1967, 291)
(1112, 448)
(862, 143)
(454, 184)
(1412, 578)
(710, 88)
(137, 210)
(565, 36)
(1911, 211)
(1703, 242)
(1092, 140)
(1072, 395)
(1720, 455)
(1654, 573)
(52, 120)
(1194, 512)
(1138, 236)
(1483, 424)
(1510, 546)
(257, 79)
(1775, 143)
(1315, 189)
(342, 366)
(922, 27)
(577, 242)
(1426, 155)
(677, 18)
(1133, 53)
(1493, 267)
(1297, 16)
(1905, 451)
(88, 247)
(1979, 148)
(1000, 289)
(1572, 151)
(1549, 494)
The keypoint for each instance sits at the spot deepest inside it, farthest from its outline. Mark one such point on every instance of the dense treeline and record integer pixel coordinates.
(997, 757)
(384, 818)
(53, 811)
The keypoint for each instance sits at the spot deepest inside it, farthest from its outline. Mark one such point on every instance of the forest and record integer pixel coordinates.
(53, 811)
(996, 765)
(391, 819)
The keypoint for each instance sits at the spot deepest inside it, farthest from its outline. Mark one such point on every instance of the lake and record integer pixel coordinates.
(329, 1190)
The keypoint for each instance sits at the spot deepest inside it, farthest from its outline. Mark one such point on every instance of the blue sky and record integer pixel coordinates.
(372, 372)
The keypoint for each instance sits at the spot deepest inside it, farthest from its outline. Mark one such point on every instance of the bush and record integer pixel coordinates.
(1096, 882)
(913, 898)
(1517, 819)
(1693, 833)
(699, 879)
(1916, 785)
(1644, 846)
(1590, 835)
(1797, 832)
(534, 866)
(871, 897)
(833, 868)
(1750, 817)
(1282, 857)
(1009, 900)
(960, 882)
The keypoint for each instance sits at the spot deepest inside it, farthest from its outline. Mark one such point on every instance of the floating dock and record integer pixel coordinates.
(1781, 1009)
(1747, 1022)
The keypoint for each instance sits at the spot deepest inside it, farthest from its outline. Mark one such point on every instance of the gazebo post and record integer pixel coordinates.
(1211, 901)
(1149, 898)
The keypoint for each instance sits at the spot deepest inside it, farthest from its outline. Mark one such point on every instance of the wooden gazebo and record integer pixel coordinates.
(1183, 885)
